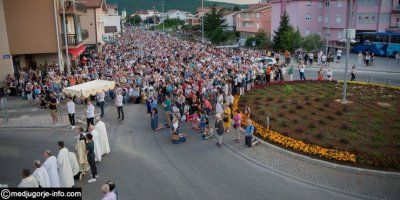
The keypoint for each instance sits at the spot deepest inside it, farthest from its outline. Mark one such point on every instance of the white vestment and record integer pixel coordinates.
(97, 150)
(42, 176)
(64, 168)
(29, 182)
(103, 137)
(51, 166)
(74, 163)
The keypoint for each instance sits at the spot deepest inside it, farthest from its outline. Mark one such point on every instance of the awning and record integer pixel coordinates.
(75, 52)
(84, 90)
(110, 29)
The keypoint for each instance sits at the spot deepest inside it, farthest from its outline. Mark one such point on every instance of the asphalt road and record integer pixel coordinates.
(146, 165)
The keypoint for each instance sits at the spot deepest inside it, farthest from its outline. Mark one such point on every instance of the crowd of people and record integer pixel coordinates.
(186, 81)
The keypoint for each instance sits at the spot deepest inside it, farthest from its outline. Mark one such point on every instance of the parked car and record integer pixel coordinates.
(268, 60)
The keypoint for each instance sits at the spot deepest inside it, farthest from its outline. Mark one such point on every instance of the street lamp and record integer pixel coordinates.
(328, 8)
(202, 20)
(349, 35)
(65, 39)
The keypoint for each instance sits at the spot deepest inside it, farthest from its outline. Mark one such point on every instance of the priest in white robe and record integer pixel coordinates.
(74, 163)
(28, 181)
(41, 174)
(64, 166)
(97, 149)
(81, 153)
(50, 164)
(103, 136)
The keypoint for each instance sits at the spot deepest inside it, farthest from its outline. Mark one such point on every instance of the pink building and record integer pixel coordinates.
(256, 17)
(311, 16)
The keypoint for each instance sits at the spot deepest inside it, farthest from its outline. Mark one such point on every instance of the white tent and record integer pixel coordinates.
(84, 90)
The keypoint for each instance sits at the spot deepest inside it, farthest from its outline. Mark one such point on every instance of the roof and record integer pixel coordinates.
(230, 13)
(257, 7)
(110, 29)
(93, 3)
(142, 12)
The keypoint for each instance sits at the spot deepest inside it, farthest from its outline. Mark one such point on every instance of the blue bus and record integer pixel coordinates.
(379, 43)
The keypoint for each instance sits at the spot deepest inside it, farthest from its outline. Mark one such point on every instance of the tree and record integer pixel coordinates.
(262, 40)
(217, 36)
(135, 20)
(213, 20)
(290, 40)
(311, 42)
(236, 8)
(284, 26)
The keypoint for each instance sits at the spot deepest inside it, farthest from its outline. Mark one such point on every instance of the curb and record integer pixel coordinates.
(322, 163)
(362, 70)
(280, 173)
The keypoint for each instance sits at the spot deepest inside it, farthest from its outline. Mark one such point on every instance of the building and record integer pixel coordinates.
(200, 12)
(144, 14)
(256, 17)
(230, 20)
(112, 21)
(92, 22)
(193, 20)
(178, 14)
(314, 16)
(30, 40)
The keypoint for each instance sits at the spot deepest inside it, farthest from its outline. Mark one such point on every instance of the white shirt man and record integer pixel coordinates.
(218, 108)
(51, 166)
(90, 111)
(41, 175)
(71, 112)
(119, 103)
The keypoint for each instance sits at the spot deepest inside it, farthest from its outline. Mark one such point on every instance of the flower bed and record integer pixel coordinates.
(355, 153)
(297, 145)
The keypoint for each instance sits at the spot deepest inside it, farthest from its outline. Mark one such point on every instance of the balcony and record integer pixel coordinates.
(75, 39)
(72, 7)
(396, 8)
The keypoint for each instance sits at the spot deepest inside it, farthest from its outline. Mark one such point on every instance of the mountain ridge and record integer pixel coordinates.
(187, 5)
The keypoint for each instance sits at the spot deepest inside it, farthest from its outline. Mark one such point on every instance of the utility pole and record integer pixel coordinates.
(65, 39)
(163, 15)
(202, 20)
(348, 38)
(328, 8)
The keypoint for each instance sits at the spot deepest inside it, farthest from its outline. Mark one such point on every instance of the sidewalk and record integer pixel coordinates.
(367, 184)
(381, 64)
(21, 114)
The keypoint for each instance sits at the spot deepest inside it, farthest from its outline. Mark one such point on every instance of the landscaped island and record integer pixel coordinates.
(308, 117)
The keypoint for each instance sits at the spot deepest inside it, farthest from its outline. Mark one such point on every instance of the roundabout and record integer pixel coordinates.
(306, 117)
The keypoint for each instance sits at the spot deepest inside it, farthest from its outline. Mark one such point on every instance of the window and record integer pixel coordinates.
(258, 25)
(320, 18)
(258, 15)
(308, 18)
(327, 34)
(320, 5)
(326, 19)
(327, 3)
(307, 32)
(368, 2)
(248, 24)
(384, 18)
(308, 3)
(339, 4)
(366, 18)
(339, 35)
(338, 18)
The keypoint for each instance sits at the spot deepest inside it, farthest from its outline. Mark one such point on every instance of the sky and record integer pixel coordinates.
(238, 1)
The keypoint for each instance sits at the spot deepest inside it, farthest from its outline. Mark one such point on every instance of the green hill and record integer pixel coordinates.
(186, 5)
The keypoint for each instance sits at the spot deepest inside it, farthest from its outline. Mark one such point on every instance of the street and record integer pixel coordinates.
(146, 165)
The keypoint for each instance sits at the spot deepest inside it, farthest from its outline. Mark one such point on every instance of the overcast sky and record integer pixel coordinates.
(238, 1)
